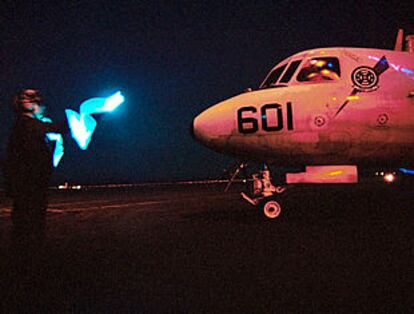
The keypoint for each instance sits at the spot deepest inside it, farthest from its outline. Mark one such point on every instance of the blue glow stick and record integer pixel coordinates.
(82, 127)
(82, 124)
(55, 137)
(112, 102)
(59, 149)
(102, 105)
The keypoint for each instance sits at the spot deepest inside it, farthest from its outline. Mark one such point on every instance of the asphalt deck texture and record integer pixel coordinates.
(195, 249)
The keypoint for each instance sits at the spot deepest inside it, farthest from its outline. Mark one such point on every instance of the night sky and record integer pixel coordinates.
(171, 60)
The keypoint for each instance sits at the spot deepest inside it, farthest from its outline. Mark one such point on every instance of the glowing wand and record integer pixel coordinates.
(82, 124)
(55, 137)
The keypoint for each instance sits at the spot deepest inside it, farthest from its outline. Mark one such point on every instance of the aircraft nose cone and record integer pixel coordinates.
(192, 130)
(213, 126)
(204, 128)
(197, 128)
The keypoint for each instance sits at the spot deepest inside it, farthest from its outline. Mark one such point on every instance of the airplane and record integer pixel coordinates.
(330, 110)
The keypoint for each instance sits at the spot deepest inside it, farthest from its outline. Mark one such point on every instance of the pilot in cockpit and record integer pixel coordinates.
(317, 70)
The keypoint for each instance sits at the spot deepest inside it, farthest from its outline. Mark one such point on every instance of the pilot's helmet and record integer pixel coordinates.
(25, 97)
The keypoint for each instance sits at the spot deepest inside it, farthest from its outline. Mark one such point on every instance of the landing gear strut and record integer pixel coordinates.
(266, 196)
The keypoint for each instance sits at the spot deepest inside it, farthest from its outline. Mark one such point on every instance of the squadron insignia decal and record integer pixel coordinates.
(366, 79)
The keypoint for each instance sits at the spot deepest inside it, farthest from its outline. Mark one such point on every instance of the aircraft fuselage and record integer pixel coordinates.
(360, 111)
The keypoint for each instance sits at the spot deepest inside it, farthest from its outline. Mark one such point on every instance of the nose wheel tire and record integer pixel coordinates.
(271, 208)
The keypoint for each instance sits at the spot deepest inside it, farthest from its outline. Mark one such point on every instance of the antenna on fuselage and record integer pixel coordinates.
(399, 40)
(409, 43)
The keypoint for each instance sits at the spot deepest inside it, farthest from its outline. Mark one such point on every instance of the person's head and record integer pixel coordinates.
(29, 102)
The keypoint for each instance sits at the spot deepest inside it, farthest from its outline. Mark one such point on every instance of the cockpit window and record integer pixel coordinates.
(290, 71)
(319, 70)
(273, 77)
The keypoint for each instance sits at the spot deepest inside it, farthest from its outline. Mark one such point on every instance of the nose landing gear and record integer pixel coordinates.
(266, 196)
